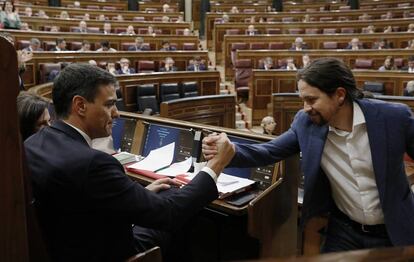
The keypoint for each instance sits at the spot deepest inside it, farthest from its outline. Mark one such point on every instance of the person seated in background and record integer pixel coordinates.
(86, 17)
(410, 28)
(354, 44)
(290, 64)
(410, 44)
(381, 44)
(34, 45)
(110, 67)
(139, 45)
(306, 18)
(252, 20)
(180, 19)
(369, 29)
(105, 47)
(389, 15)
(305, 60)
(60, 45)
(262, 20)
(9, 16)
(129, 31)
(197, 65)
(25, 27)
(86, 46)
(165, 19)
(92, 62)
(83, 27)
(76, 4)
(268, 124)
(166, 46)
(125, 69)
(251, 30)
(267, 64)
(42, 14)
(406, 14)
(364, 17)
(101, 17)
(388, 64)
(186, 32)
(168, 65)
(388, 29)
(225, 18)
(410, 65)
(234, 10)
(165, 8)
(55, 29)
(409, 89)
(119, 17)
(28, 11)
(150, 30)
(298, 45)
(107, 29)
(64, 15)
(33, 113)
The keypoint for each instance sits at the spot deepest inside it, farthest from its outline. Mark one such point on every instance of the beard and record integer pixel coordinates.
(317, 118)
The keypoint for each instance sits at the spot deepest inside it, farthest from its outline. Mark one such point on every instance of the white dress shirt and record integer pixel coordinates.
(347, 162)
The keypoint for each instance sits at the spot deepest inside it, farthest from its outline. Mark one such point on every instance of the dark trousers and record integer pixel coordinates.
(343, 234)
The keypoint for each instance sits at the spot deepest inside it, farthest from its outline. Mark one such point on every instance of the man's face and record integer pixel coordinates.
(320, 107)
(138, 42)
(62, 45)
(86, 47)
(124, 63)
(99, 114)
(107, 27)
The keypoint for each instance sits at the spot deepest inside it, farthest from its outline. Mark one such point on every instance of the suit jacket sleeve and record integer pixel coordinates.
(112, 193)
(273, 151)
(409, 127)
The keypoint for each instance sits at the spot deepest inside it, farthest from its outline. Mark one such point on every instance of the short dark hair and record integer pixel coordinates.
(105, 43)
(327, 74)
(30, 108)
(78, 79)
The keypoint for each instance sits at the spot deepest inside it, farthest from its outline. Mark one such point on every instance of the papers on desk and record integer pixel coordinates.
(157, 159)
(176, 169)
(228, 185)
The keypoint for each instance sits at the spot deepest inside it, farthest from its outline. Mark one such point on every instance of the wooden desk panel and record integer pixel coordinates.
(264, 83)
(351, 15)
(83, 4)
(181, 58)
(220, 29)
(208, 83)
(158, 6)
(128, 15)
(65, 25)
(348, 56)
(216, 110)
(398, 40)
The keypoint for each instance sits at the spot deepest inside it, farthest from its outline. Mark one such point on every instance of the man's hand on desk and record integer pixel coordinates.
(162, 184)
(219, 151)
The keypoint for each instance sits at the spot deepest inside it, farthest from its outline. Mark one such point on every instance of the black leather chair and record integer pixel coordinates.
(119, 100)
(147, 98)
(376, 88)
(189, 89)
(169, 91)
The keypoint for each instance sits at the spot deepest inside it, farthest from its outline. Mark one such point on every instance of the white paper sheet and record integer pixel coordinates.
(157, 159)
(178, 168)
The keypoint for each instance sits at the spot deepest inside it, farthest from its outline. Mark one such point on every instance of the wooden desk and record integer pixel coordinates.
(271, 216)
(398, 40)
(220, 29)
(264, 83)
(181, 58)
(348, 56)
(216, 110)
(83, 4)
(157, 6)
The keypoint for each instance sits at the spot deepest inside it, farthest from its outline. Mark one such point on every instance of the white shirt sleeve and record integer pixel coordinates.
(211, 173)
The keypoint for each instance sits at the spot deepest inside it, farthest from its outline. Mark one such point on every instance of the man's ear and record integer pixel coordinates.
(341, 95)
(79, 105)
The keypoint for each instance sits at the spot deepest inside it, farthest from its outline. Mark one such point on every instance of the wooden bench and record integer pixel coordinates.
(264, 83)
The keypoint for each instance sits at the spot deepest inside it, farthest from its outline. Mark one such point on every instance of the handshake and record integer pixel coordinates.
(218, 151)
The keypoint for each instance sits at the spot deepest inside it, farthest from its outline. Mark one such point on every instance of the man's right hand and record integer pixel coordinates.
(219, 151)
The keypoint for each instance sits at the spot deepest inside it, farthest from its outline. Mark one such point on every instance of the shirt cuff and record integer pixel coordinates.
(210, 172)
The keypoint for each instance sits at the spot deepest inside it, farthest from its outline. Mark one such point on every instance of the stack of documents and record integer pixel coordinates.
(125, 157)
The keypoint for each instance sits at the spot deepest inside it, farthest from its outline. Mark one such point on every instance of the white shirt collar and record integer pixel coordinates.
(358, 119)
(83, 134)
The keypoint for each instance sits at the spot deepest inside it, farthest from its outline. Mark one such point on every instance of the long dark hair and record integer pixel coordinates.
(30, 108)
(327, 74)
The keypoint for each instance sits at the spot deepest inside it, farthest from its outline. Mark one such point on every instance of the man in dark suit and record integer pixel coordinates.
(298, 45)
(34, 45)
(168, 65)
(352, 158)
(125, 69)
(410, 65)
(83, 28)
(60, 45)
(139, 45)
(86, 204)
(197, 65)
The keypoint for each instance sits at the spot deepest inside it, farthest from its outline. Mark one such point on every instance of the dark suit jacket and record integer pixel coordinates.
(86, 204)
(131, 71)
(201, 67)
(390, 130)
(135, 48)
(54, 49)
(172, 69)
